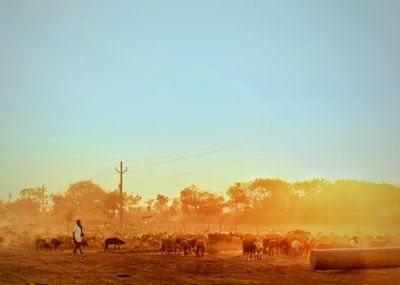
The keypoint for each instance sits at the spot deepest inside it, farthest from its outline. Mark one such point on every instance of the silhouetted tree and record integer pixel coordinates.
(161, 202)
(149, 204)
(238, 197)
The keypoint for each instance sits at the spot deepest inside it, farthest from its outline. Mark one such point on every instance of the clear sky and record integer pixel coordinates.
(230, 90)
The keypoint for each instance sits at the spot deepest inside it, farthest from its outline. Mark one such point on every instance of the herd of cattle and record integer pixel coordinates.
(63, 242)
(295, 243)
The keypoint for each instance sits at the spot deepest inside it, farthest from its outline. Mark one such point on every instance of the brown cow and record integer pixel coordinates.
(270, 246)
(192, 244)
(249, 247)
(115, 241)
(55, 243)
(167, 246)
(200, 247)
(42, 244)
(184, 244)
(176, 244)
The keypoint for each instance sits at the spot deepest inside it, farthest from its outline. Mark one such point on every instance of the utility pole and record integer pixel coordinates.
(42, 205)
(287, 200)
(9, 197)
(43, 189)
(121, 171)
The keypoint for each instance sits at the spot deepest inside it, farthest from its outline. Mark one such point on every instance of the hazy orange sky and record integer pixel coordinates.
(240, 89)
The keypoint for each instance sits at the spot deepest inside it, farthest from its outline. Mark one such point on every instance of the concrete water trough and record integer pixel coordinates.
(353, 258)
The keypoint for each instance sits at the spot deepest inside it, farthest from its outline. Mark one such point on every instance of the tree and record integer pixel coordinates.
(24, 210)
(69, 216)
(175, 207)
(111, 204)
(32, 193)
(238, 197)
(161, 202)
(308, 188)
(211, 204)
(203, 204)
(3, 209)
(268, 194)
(35, 194)
(85, 198)
(149, 203)
(131, 201)
(189, 199)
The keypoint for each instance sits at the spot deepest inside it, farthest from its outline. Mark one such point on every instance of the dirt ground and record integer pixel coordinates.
(122, 267)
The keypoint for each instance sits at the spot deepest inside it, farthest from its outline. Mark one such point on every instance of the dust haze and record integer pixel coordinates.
(198, 236)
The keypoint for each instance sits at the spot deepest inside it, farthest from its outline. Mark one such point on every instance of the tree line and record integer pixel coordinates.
(261, 201)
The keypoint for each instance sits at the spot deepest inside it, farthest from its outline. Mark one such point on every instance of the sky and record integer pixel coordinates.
(197, 92)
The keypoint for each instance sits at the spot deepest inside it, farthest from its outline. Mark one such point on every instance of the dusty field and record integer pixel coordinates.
(95, 267)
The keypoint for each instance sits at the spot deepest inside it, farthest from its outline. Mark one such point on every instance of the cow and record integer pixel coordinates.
(67, 241)
(249, 247)
(270, 246)
(42, 244)
(213, 238)
(153, 242)
(184, 244)
(167, 246)
(115, 241)
(55, 243)
(284, 246)
(164, 244)
(259, 251)
(177, 244)
(296, 248)
(200, 247)
(192, 244)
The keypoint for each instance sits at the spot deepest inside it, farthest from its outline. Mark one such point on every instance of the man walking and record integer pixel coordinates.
(77, 234)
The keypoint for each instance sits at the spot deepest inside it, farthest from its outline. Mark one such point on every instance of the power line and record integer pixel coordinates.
(190, 156)
(165, 157)
(191, 172)
(103, 170)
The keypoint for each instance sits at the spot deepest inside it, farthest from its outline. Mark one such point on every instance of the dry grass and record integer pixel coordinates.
(119, 267)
